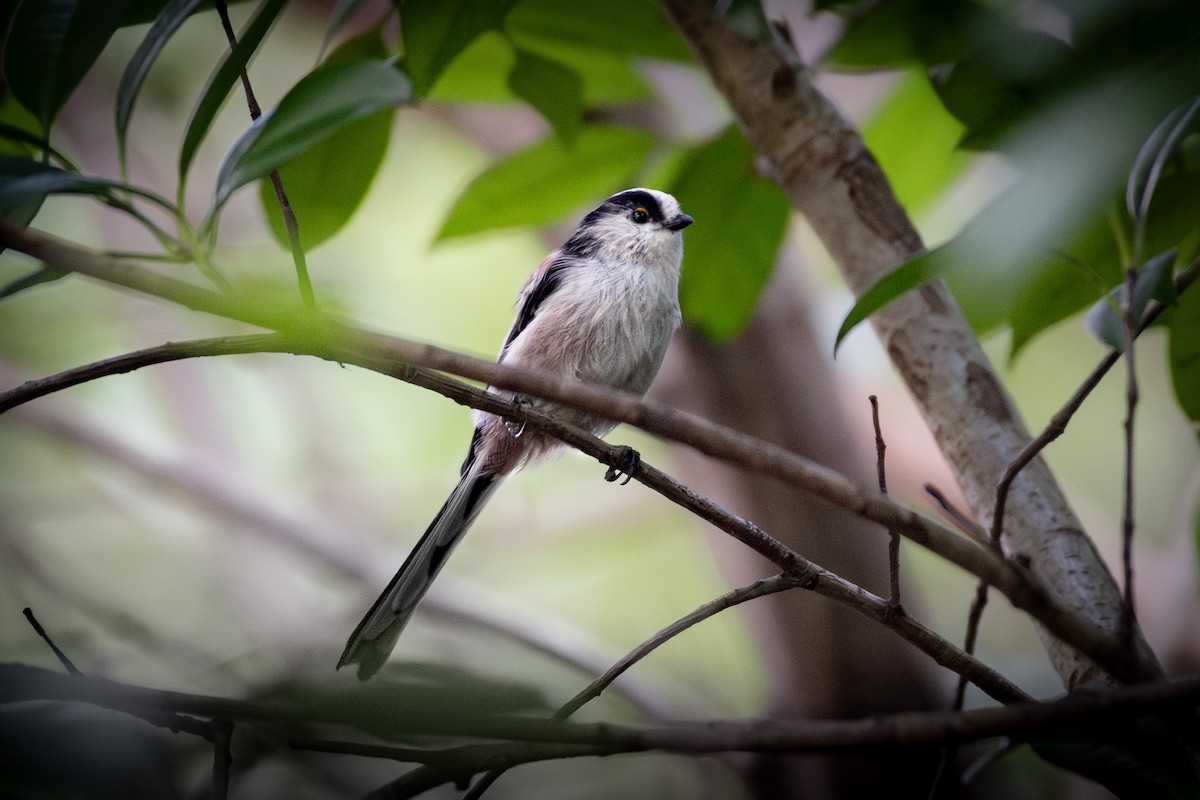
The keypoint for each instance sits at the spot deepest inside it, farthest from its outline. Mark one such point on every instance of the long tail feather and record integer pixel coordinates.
(375, 637)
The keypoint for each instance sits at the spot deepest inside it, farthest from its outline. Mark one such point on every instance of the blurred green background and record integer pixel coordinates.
(218, 525)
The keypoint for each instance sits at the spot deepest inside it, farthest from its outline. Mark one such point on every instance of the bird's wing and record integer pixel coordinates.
(538, 286)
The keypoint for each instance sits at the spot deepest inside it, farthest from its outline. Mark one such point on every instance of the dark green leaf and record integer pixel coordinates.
(172, 16)
(436, 31)
(528, 188)
(223, 79)
(1151, 159)
(918, 167)
(747, 18)
(908, 276)
(1104, 319)
(352, 153)
(622, 27)
(24, 181)
(50, 47)
(1183, 352)
(320, 104)
(44, 275)
(553, 89)
(731, 250)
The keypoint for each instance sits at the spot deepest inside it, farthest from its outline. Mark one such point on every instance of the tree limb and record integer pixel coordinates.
(320, 335)
(824, 167)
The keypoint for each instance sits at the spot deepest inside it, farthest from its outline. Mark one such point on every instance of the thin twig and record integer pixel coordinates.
(127, 362)
(766, 586)
(59, 654)
(318, 334)
(1058, 423)
(894, 537)
(1129, 324)
(827, 584)
(290, 224)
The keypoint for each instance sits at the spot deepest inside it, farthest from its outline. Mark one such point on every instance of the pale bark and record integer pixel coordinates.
(826, 171)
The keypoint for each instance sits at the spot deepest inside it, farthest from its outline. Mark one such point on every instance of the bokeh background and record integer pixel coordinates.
(219, 525)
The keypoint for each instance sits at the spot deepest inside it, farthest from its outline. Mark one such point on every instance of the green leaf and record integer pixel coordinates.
(1068, 280)
(24, 181)
(319, 105)
(51, 45)
(919, 168)
(1183, 352)
(46, 274)
(622, 27)
(1153, 156)
(436, 31)
(222, 80)
(172, 16)
(353, 153)
(731, 250)
(528, 187)
(480, 73)
(1104, 319)
(915, 272)
(555, 90)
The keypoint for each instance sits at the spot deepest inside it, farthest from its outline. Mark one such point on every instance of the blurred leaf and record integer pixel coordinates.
(341, 12)
(351, 155)
(528, 187)
(172, 16)
(746, 17)
(19, 129)
(23, 181)
(915, 272)
(731, 250)
(918, 167)
(409, 697)
(1104, 319)
(139, 12)
(223, 79)
(1183, 352)
(1131, 759)
(51, 45)
(1011, 76)
(45, 274)
(1151, 159)
(906, 32)
(323, 102)
(1068, 168)
(623, 27)
(480, 73)
(553, 89)
(436, 31)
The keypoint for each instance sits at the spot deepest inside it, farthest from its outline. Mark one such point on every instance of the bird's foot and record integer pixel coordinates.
(515, 428)
(627, 462)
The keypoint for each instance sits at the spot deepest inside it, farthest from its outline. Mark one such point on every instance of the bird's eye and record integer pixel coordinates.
(640, 215)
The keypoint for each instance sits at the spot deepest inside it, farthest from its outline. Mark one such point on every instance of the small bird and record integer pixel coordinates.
(601, 309)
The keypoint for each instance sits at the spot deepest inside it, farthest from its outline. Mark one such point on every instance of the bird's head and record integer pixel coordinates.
(636, 224)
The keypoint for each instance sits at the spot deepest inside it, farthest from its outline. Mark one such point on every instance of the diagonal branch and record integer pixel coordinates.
(799, 570)
(823, 165)
(323, 336)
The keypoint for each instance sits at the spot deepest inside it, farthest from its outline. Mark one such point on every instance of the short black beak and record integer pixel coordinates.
(679, 223)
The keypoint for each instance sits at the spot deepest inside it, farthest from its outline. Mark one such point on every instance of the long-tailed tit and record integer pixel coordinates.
(601, 309)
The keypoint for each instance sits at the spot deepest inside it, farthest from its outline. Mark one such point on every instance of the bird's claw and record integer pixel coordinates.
(515, 429)
(629, 461)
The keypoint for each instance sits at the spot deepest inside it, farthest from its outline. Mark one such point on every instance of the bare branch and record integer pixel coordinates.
(320, 335)
(910, 729)
(823, 165)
